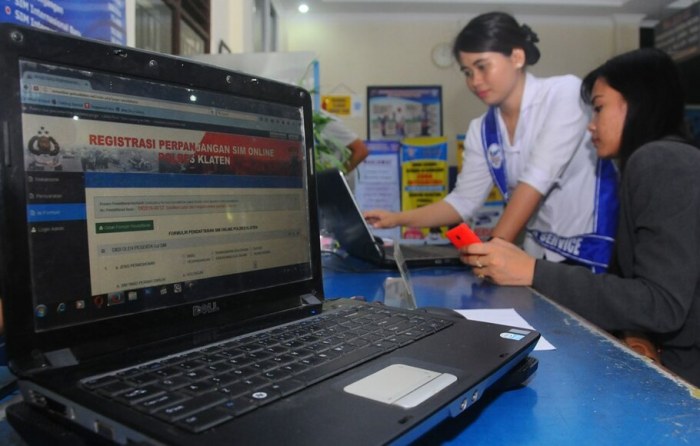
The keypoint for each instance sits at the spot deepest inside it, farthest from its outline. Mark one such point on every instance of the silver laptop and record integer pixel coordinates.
(341, 216)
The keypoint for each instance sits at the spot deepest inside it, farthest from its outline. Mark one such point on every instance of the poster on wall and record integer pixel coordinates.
(397, 112)
(424, 178)
(343, 105)
(105, 20)
(378, 182)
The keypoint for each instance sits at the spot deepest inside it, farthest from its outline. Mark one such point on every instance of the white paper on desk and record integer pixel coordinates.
(505, 316)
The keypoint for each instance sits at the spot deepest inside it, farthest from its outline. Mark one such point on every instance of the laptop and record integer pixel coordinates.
(341, 216)
(161, 272)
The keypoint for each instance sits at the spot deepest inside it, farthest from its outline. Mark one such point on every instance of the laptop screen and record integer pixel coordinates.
(143, 195)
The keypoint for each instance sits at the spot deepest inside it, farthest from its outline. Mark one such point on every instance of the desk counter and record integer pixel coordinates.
(589, 390)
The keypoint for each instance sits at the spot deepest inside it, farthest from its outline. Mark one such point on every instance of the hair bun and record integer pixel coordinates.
(530, 35)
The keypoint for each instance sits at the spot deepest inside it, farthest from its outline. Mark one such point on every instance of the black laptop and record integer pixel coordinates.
(342, 218)
(161, 270)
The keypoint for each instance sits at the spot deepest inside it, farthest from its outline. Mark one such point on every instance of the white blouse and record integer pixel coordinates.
(551, 152)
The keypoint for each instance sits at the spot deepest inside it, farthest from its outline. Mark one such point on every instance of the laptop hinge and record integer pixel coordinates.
(39, 360)
(310, 299)
(59, 358)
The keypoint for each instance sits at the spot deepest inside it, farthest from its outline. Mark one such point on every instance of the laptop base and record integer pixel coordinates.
(38, 428)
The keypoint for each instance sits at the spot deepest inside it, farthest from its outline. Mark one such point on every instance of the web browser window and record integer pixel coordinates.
(156, 194)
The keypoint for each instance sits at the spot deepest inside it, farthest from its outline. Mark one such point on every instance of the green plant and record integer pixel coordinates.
(328, 153)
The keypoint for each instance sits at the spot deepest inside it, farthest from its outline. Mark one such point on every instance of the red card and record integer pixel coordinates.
(461, 235)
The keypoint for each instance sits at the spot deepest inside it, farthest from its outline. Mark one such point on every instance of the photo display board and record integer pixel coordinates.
(398, 112)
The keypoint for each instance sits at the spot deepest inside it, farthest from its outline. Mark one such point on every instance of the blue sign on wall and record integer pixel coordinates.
(103, 20)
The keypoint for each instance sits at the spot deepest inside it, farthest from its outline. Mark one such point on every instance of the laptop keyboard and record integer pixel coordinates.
(200, 389)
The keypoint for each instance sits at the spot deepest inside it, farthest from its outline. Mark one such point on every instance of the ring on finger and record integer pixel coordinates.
(478, 264)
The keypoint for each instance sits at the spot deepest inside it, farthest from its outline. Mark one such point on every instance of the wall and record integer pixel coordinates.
(231, 22)
(355, 51)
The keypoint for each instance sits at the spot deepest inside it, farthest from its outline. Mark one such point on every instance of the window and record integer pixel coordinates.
(264, 26)
(173, 26)
(190, 41)
(154, 27)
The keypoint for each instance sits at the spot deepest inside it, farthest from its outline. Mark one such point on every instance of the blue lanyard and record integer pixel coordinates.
(593, 249)
(493, 151)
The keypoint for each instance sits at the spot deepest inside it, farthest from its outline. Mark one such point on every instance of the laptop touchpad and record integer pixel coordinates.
(401, 385)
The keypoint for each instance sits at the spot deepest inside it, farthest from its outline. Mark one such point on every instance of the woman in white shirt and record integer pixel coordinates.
(533, 145)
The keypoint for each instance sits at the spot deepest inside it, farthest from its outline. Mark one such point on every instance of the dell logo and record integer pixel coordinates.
(207, 308)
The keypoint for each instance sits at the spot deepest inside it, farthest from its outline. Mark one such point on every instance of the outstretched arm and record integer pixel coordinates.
(436, 214)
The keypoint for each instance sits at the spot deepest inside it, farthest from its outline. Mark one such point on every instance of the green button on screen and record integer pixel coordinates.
(124, 226)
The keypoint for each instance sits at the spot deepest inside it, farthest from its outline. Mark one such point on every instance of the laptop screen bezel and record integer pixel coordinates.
(19, 42)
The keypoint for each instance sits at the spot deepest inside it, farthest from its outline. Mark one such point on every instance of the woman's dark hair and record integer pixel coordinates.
(650, 83)
(496, 32)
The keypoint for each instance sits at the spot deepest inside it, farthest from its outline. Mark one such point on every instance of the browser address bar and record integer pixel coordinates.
(153, 103)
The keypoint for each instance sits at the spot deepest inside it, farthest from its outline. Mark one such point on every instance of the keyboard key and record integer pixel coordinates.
(222, 380)
(245, 372)
(99, 382)
(292, 369)
(143, 379)
(234, 389)
(139, 394)
(161, 401)
(219, 368)
(167, 372)
(115, 388)
(263, 395)
(191, 365)
(173, 383)
(197, 375)
(238, 406)
(264, 366)
(191, 406)
(199, 388)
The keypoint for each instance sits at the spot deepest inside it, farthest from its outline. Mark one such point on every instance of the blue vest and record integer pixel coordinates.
(592, 249)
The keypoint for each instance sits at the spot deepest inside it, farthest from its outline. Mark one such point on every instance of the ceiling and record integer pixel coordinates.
(651, 10)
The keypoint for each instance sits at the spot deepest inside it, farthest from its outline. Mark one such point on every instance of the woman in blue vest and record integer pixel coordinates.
(638, 118)
(531, 143)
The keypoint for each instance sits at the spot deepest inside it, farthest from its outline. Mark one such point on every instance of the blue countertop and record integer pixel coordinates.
(589, 390)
